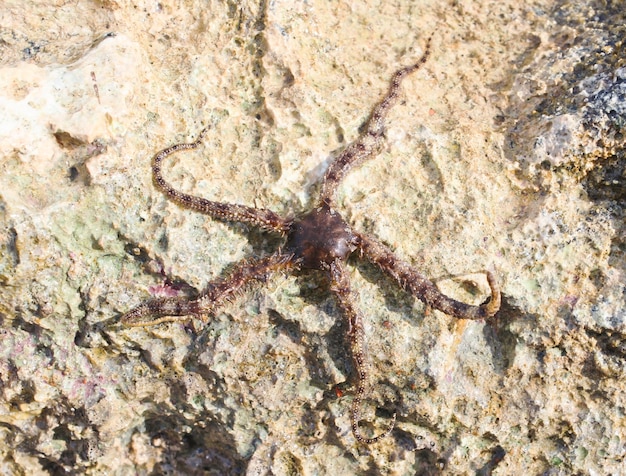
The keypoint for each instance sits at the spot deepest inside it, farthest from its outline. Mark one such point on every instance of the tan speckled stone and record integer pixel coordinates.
(504, 153)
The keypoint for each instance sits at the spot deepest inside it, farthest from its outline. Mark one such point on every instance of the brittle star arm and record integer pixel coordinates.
(177, 309)
(263, 218)
(422, 288)
(370, 142)
(340, 286)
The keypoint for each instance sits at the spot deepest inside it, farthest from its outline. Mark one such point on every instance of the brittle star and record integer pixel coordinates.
(317, 240)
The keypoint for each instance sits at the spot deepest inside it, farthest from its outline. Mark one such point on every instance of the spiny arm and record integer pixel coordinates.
(263, 218)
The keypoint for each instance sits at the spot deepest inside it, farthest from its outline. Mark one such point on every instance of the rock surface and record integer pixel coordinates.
(506, 152)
